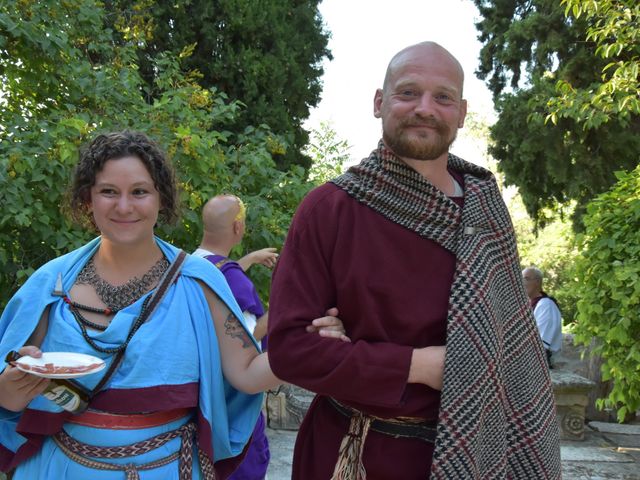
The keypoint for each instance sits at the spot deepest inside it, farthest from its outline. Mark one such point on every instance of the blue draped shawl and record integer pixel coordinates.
(175, 351)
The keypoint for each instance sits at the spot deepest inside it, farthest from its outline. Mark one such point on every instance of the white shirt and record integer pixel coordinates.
(549, 323)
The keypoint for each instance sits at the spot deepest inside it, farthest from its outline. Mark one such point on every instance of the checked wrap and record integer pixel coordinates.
(497, 415)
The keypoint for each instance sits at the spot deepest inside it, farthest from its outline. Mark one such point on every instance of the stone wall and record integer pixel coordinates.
(287, 406)
(577, 359)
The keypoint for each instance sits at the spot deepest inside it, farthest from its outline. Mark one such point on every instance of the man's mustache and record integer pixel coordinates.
(426, 122)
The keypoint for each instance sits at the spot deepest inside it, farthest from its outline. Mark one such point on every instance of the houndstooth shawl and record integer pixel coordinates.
(497, 415)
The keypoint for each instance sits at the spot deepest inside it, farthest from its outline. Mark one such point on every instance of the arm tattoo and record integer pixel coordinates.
(233, 328)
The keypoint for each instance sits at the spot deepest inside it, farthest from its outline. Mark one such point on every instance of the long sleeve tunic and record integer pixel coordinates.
(391, 288)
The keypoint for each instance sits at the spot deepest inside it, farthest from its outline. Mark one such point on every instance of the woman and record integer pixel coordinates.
(185, 386)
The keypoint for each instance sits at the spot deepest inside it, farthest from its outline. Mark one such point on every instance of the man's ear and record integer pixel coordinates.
(377, 103)
(463, 113)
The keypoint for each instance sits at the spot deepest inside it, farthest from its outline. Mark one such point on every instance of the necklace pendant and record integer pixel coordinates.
(58, 289)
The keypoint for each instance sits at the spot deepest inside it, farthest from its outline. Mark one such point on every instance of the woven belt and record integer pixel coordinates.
(96, 419)
(349, 465)
(394, 427)
(81, 452)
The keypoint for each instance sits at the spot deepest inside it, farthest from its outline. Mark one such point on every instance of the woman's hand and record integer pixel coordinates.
(18, 388)
(329, 326)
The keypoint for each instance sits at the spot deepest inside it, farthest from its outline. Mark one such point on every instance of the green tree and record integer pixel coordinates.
(328, 153)
(614, 28)
(267, 55)
(609, 289)
(552, 249)
(529, 45)
(66, 75)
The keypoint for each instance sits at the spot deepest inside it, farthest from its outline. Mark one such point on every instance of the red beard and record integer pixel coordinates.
(418, 146)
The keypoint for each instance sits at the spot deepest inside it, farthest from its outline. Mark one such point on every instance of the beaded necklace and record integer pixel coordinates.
(83, 323)
(75, 308)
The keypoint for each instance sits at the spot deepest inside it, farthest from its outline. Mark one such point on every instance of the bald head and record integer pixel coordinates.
(426, 52)
(219, 214)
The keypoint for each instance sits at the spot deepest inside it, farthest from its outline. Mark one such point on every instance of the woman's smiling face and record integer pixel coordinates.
(125, 202)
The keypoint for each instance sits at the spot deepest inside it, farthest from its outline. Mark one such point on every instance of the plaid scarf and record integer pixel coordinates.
(497, 415)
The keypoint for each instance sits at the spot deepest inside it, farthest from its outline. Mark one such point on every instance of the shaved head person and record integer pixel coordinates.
(445, 376)
(223, 222)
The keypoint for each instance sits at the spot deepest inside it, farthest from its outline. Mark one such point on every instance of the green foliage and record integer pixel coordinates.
(609, 288)
(530, 46)
(614, 27)
(66, 75)
(267, 55)
(328, 153)
(552, 249)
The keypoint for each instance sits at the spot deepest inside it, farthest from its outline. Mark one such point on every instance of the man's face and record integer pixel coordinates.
(421, 106)
(531, 283)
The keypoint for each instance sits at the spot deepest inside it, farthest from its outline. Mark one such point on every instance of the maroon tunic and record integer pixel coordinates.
(391, 288)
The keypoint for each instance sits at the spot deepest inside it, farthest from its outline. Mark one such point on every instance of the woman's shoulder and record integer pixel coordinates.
(60, 264)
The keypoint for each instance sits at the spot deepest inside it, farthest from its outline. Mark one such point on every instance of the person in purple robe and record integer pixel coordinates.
(224, 225)
(223, 220)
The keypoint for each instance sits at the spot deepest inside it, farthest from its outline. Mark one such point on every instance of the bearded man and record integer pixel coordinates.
(414, 246)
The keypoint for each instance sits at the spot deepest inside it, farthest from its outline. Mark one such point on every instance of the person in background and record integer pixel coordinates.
(223, 220)
(546, 312)
(444, 376)
(183, 385)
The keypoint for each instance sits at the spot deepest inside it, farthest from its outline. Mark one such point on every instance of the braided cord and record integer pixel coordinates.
(78, 452)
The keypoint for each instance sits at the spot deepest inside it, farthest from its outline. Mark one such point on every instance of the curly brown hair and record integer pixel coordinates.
(115, 145)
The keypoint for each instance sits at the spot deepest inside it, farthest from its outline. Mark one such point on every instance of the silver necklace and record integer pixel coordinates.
(118, 297)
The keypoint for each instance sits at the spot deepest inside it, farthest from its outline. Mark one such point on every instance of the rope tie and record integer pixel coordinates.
(349, 465)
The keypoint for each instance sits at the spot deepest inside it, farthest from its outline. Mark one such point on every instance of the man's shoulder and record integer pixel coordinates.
(325, 193)
(226, 265)
(238, 280)
(548, 302)
(321, 201)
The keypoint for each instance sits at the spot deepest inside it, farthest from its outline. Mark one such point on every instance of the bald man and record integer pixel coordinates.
(223, 219)
(444, 377)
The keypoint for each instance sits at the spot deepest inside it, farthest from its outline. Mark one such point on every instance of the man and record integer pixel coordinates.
(546, 312)
(223, 220)
(415, 248)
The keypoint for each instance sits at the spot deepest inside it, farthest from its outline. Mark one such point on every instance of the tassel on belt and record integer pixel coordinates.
(349, 465)
(79, 453)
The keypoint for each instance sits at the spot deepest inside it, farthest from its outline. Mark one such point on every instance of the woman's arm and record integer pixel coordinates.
(242, 366)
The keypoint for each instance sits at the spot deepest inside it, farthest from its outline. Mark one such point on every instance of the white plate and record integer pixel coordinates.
(59, 363)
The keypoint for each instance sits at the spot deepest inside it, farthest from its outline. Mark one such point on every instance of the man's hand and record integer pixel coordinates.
(427, 366)
(264, 256)
(18, 388)
(329, 326)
